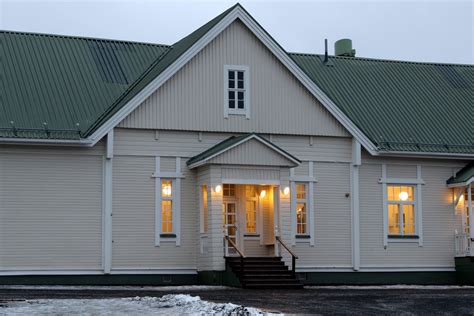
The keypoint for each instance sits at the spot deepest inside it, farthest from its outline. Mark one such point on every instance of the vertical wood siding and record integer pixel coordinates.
(50, 209)
(193, 99)
(252, 152)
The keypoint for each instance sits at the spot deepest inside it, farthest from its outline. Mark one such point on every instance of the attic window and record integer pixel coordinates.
(107, 62)
(236, 94)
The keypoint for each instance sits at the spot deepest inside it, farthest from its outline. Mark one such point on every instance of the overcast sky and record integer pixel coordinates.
(434, 31)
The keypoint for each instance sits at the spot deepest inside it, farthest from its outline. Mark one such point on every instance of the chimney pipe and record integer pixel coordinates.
(326, 58)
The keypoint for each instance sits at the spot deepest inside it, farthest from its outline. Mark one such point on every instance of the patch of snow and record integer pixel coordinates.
(170, 304)
(178, 288)
(390, 287)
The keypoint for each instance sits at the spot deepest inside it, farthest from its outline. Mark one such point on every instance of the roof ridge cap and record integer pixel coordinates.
(385, 60)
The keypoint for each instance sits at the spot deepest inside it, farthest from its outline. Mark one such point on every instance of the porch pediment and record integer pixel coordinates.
(249, 149)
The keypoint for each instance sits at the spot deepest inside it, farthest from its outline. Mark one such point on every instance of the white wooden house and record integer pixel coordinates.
(139, 163)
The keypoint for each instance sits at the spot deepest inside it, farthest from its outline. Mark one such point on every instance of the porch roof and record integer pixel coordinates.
(463, 177)
(233, 142)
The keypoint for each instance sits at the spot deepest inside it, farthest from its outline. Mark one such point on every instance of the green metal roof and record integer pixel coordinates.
(463, 175)
(400, 106)
(74, 85)
(229, 142)
(58, 86)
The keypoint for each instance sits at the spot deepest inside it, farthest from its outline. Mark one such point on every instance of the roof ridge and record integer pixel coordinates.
(385, 60)
(81, 38)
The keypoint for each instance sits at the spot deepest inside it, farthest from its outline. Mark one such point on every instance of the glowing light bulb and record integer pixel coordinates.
(263, 193)
(403, 196)
(286, 191)
(218, 188)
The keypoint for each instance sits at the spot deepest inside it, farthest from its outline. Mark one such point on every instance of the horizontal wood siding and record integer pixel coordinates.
(193, 99)
(437, 211)
(134, 218)
(332, 219)
(50, 209)
(188, 144)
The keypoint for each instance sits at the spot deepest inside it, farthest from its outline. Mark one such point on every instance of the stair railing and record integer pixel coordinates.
(293, 255)
(227, 241)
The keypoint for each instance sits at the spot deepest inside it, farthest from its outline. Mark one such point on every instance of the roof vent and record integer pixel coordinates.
(343, 47)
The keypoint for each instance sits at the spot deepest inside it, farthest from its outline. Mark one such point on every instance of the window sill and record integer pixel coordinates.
(168, 236)
(403, 239)
(252, 236)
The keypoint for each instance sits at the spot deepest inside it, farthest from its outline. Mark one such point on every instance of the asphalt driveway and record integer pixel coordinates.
(321, 300)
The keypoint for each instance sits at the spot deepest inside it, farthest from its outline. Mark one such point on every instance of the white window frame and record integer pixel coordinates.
(202, 207)
(310, 181)
(175, 177)
(255, 199)
(246, 110)
(418, 198)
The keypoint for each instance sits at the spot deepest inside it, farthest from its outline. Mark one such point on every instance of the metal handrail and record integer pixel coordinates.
(293, 255)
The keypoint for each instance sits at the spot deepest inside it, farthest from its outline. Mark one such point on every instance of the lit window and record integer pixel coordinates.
(167, 206)
(301, 210)
(205, 212)
(236, 94)
(229, 190)
(251, 209)
(401, 210)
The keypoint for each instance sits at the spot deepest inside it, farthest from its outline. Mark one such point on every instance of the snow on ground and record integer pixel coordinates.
(391, 287)
(179, 304)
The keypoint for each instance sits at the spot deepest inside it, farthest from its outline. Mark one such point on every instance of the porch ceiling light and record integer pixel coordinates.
(263, 193)
(403, 196)
(218, 188)
(286, 191)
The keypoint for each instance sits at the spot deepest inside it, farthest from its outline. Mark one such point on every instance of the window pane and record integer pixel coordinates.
(396, 193)
(301, 218)
(251, 216)
(240, 95)
(231, 74)
(390, 192)
(166, 206)
(205, 216)
(240, 84)
(241, 104)
(231, 95)
(400, 193)
(166, 188)
(232, 104)
(229, 189)
(300, 191)
(166, 216)
(393, 219)
(231, 84)
(240, 75)
(408, 219)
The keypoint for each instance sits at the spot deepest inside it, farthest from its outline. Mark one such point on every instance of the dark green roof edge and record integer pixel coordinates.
(463, 175)
(219, 147)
